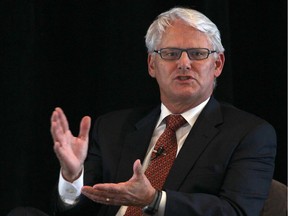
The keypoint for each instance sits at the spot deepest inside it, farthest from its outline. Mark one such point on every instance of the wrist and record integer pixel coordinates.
(152, 208)
(69, 176)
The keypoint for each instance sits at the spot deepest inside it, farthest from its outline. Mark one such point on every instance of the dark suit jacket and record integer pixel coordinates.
(225, 166)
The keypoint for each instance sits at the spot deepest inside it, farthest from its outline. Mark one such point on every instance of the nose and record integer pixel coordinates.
(184, 62)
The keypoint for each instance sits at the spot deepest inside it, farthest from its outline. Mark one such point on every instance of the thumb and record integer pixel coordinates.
(84, 127)
(137, 168)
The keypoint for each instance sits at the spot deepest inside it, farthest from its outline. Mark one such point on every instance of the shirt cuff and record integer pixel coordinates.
(161, 209)
(70, 192)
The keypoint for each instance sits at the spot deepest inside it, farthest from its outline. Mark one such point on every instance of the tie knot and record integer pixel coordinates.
(174, 122)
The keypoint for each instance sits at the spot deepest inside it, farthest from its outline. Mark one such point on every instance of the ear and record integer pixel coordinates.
(151, 65)
(219, 64)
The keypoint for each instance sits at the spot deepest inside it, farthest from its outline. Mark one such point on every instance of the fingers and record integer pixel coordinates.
(99, 196)
(58, 121)
(59, 126)
(62, 120)
(109, 194)
(128, 193)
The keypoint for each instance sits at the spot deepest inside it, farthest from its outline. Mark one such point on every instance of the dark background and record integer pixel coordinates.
(89, 57)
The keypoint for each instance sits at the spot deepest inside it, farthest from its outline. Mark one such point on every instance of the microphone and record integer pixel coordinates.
(159, 152)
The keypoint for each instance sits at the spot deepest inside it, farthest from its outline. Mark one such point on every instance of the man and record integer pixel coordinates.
(225, 157)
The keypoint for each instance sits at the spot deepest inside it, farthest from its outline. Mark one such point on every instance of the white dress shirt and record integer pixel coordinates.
(69, 192)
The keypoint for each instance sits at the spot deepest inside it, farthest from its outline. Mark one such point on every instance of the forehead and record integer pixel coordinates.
(180, 35)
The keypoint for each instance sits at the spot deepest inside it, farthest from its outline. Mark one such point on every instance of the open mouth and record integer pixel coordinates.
(183, 78)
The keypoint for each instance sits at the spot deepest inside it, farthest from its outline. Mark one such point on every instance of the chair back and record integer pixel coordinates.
(276, 203)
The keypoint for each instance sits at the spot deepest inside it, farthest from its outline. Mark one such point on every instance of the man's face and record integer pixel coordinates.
(184, 82)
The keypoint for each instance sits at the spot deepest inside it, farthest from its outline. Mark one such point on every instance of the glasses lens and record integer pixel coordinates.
(170, 54)
(198, 54)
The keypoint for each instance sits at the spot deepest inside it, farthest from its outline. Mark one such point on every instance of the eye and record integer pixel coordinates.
(198, 53)
(170, 53)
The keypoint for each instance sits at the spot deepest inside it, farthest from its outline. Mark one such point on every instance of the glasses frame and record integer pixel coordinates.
(184, 50)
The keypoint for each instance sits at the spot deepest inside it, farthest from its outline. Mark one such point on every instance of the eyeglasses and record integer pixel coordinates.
(193, 53)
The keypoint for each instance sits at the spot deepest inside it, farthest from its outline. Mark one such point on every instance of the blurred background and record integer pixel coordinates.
(89, 57)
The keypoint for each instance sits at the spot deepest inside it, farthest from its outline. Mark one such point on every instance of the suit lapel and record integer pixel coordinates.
(136, 144)
(203, 131)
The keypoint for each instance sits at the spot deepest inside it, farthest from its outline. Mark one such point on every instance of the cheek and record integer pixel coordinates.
(206, 72)
(162, 71)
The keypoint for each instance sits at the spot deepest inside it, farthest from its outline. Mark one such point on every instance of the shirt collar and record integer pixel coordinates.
(190, 115)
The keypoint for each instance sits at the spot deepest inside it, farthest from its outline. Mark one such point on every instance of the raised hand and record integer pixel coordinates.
(136, 192)
(71, 151)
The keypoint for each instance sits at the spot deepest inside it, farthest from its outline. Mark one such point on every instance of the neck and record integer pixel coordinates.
(180, 107)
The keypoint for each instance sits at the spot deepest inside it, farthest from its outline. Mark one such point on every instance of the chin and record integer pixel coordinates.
(184, 97)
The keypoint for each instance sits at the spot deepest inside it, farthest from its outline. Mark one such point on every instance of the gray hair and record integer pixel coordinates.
(192, 18)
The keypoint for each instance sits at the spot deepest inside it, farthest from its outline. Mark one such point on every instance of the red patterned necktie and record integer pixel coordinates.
(162, 157)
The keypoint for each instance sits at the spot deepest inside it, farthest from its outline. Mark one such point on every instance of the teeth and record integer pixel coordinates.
(183, 78)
